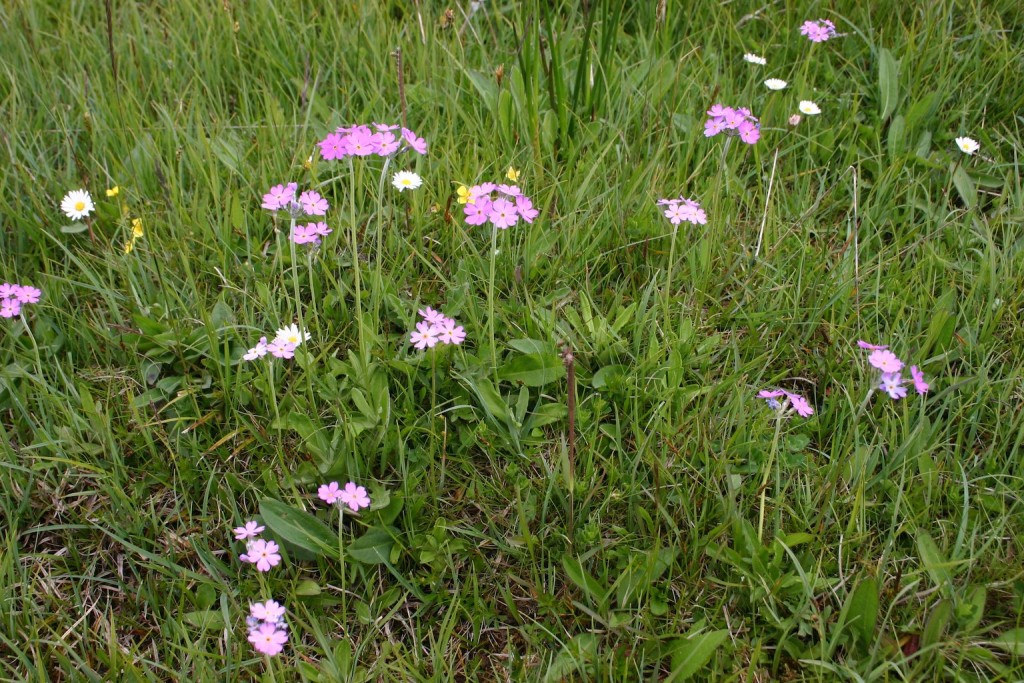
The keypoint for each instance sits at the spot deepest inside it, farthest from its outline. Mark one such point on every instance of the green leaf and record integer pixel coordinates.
(888, 82)
(307, 588)
(531, 346)
(964, 186)
(373, 547)
(74, 228)
(595, 591)
(610, 376)
(298, 527)
(575, 655)
(863, 610)
(534, 369)
(934, 563)
(1011, 641)
(691, 653)
(204, 620)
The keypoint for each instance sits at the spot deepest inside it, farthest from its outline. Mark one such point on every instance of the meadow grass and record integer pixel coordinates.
(682, 530)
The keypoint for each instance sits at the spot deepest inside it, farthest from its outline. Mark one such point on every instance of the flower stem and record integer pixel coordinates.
(353, 247)
(490, 301)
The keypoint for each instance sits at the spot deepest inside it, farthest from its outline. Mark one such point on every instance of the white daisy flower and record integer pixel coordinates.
(77, 204)
(775, 84)
(292, 335)
(968, 145)
(809, 108)
(754, 59)
(406, 180)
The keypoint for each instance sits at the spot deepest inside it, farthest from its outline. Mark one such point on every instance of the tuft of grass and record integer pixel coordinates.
(682, 531)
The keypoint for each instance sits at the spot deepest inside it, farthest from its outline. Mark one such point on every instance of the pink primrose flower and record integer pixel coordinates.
(250, 530)
(329, 493)
(886, 361)
(313, 204)
(268, 639)
(263, 554)
(918, 378)
(424, 337)
(892, 384)
(270, 611)
(503, 214)
(355, 497)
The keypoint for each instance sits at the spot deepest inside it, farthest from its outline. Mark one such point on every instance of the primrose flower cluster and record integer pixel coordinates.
(789, 399)
(501, 205)
(818, 31)
(13, 297)
(268, 631)
(435, 327)
(287, 340)
(352, 496)
(363, 140)
(683, 209)
(309, 203)
(890, 367)
(263, 554)
(740, 121)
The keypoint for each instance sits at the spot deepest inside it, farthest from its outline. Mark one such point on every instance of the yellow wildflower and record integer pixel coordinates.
(463, 193)
(113, 192)
(512, 174)
(137, 228)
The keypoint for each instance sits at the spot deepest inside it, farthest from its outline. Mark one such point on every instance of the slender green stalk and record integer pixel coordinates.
(490, 300)
(355, 175)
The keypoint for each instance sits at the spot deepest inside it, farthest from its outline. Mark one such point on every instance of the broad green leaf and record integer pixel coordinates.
(595, 591)
(888, 82)
(964, 186)
(690, 654)
(863, 610)
(204, 620)
(533, 370)
(575, 655)
(1011, 641)
(298, 527)
(531, 346)
(931, 557)
(74, 228)
(610, 376)
(373, 547)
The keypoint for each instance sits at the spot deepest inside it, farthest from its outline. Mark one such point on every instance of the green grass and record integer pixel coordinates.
(693, 535)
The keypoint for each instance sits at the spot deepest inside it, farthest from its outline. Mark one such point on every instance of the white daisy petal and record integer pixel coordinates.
(77, 204)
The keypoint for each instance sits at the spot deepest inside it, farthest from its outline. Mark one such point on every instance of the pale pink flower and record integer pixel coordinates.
(28, 295)
(750, 132)
(525, 208)
(450, 333)
(355, 497)
(280, 197)
(9, 308)
(329, 493)
(431, 316)
(333, 147)
(477, 212)
(918, 377)
(892, 384)
(800, 404)
(418, 144)
(360, 142)
(387, 143)
(250, 530)
(270, 611)
(281, 349)
(503, 214)
(886, 361)
(424, 337)
(510, 190)
(257, 351)
(313, 204)
(268, 639)
(263, 554)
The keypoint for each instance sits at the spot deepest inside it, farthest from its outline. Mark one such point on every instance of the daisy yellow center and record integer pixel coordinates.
(406, 181)
(79, 205)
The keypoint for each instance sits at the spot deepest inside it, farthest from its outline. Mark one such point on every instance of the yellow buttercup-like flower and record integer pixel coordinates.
(137, 228)
(463, 193)
(512, 174)
(113, 192)
(128, 246)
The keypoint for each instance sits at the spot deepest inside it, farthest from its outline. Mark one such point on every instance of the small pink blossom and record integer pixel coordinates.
(892, 384)
(250, 530)
(360, 142)
(424, 337)
(448, 332)
(313, 204)
(281, 349)
(268, 639)
(477, 212)
(263, 554)
(418, 144)
(431, 316)
(9, 308)
(333, 147)
(510, 190)
(387, 144)
(355, 497)
(270, 611)
(280, 197)
(524, 207)
(750, 132)
(818, 31)
(257, 351)
(886, 361)
(28, 295)
(503, 214)
(918, 378)
(329, 493)
(800, 404)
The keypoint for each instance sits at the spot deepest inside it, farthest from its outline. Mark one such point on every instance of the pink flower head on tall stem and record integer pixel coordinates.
(355, 497)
